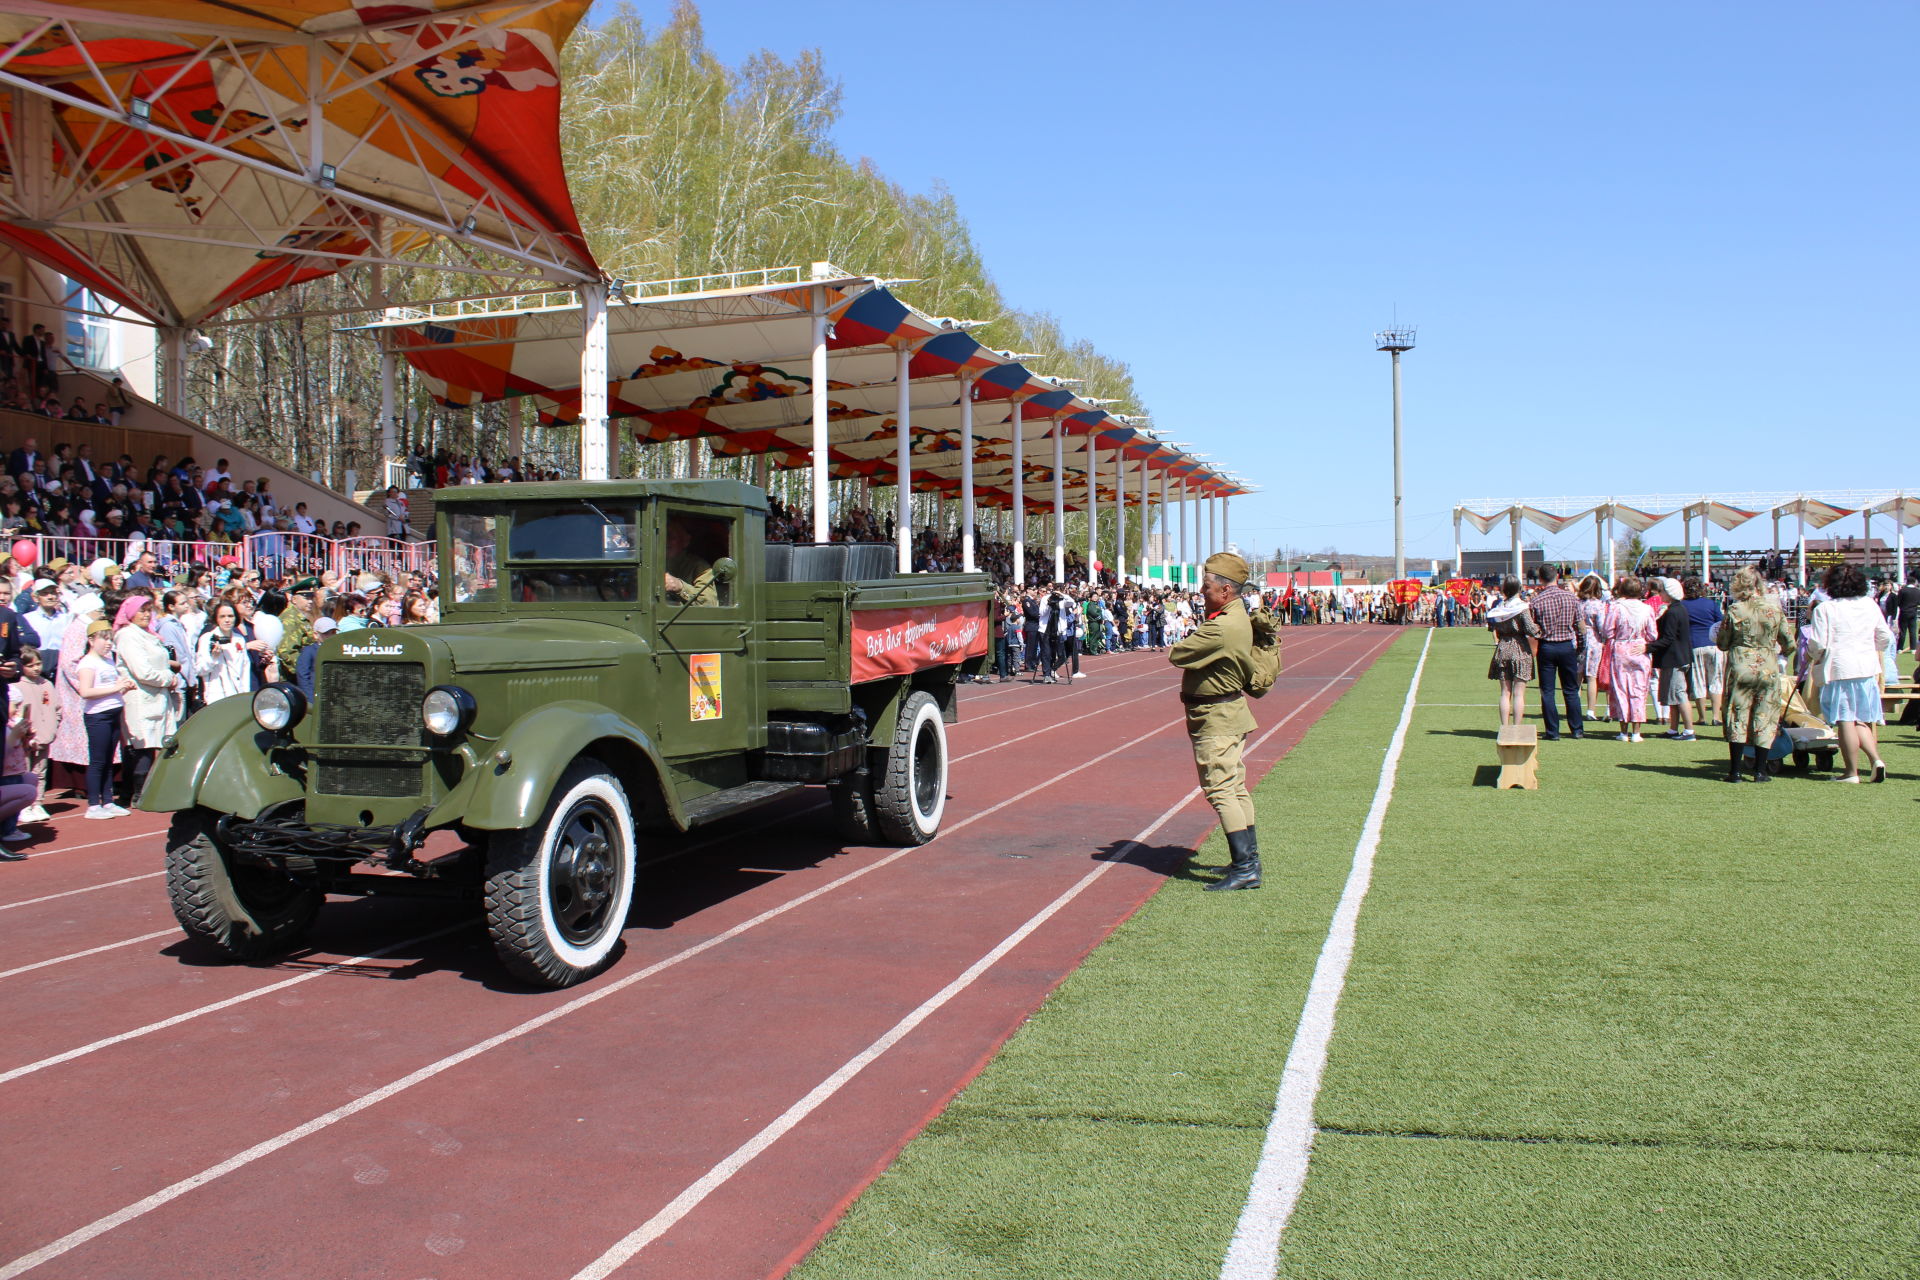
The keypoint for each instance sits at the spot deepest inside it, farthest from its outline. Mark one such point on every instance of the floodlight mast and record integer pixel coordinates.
(1394, 341)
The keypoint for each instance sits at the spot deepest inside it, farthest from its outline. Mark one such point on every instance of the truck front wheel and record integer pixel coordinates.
(911, 795)
(558, 892)
(247, 911)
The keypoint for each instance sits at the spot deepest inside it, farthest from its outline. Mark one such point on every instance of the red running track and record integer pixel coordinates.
(788, 1013)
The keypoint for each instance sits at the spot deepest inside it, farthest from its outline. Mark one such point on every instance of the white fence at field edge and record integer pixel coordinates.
(272, 554)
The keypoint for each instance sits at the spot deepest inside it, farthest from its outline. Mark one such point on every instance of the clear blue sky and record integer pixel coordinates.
(1649, 247)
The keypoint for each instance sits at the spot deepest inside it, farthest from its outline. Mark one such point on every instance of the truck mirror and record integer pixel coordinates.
(724, 569)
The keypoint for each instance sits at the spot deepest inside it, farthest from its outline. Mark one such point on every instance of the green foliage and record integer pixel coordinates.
(680, 165)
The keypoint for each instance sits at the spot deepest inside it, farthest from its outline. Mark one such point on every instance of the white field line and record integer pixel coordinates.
(68, 893)
(166, 1195)
(1254, 1253)
(91, 951)
(624, 1250)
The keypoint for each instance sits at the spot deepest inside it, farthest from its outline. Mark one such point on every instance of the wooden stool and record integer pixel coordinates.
(1519, 753)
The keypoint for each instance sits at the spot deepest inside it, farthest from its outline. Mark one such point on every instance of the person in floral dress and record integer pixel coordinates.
(1754, 635)
(1627, 628)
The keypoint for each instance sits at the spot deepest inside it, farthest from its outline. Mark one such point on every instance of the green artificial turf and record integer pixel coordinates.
(1637, 1022)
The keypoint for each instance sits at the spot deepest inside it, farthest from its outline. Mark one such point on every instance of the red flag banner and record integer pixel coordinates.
(892, 642)
(1460, 589)
(1405, 590)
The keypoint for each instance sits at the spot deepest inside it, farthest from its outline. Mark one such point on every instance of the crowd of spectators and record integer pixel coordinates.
(101, 662)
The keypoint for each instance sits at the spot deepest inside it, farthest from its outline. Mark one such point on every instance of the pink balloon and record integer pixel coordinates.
(25, 552)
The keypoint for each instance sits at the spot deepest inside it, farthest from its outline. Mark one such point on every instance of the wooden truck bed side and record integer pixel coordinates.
(809, 640)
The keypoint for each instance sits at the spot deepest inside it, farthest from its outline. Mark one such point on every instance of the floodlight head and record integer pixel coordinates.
(467, 224)
(141, 110)
(329, 177)
(1397, 339)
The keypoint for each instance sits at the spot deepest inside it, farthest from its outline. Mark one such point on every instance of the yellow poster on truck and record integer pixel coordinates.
(703, 686)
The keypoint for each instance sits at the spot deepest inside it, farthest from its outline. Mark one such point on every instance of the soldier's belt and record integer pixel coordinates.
(1194, 700)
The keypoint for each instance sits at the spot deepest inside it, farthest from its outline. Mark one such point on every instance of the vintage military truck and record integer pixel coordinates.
(614, 659)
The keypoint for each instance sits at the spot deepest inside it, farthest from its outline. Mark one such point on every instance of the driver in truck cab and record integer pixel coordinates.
(689, 579)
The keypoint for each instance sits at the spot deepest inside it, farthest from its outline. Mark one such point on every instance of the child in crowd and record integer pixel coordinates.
(33, 696)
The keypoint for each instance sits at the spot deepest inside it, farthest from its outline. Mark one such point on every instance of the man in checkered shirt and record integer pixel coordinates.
(1563, 634)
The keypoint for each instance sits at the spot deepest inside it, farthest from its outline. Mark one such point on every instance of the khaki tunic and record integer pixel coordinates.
(298, 634)
(697, 576)
(1216, 661)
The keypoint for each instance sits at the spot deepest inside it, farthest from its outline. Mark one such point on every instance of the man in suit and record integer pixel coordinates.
(23, 458)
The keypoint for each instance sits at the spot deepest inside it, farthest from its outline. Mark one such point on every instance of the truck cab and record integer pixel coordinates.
(615, 661)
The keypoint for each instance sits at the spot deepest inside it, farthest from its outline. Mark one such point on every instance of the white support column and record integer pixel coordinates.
(173, 368)
(1166, 531)
(1059, 504)
(1706, 551)
(966, 473)
(1185, 521)
(1146, 520)
(1599, 540)
(597, 448)
(1803, 544)
(761, 465)
(516, 432)
(1612, 537)
(1513, 519)
(1900, 539)
(1459, 551)
(822, 507)
(902, 456)
(1093, 514)
(1866, 540)
(1019, 499)
(1120, 515)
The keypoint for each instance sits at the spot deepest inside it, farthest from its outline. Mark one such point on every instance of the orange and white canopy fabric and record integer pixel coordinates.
(1817, 514)
(1633, 517)
(1902, 508)
(1720, 513)
(1550, 522)
(733, 365)
(181, 156)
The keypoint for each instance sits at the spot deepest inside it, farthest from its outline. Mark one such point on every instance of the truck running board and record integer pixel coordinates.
(718, 804)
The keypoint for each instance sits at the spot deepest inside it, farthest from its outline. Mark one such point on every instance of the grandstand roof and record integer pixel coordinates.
(181, 156)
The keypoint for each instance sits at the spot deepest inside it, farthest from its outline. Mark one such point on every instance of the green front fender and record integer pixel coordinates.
(218, 760)
(538, 748)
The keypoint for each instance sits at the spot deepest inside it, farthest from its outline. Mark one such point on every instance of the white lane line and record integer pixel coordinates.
(166, 1195)
(91, 951)
(1168, 690)
(68, 893)
(624, 1250)
(100, 1226)
(33, 856)
(1277, 1180)
(7, 1077)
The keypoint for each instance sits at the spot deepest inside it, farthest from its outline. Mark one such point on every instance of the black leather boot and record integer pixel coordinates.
(1761, 773)
(1735, 750)
(1245, 871)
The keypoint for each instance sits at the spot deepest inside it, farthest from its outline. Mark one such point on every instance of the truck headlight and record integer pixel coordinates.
(279, 707)
(446, 710)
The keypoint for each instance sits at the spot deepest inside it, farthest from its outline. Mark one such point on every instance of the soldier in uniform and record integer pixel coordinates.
(303, 601)
(688, 577)
(1216, 661)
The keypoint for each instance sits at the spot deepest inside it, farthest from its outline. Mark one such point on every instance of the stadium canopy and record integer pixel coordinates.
(814, 368)
(180, 157)
(1728, 511)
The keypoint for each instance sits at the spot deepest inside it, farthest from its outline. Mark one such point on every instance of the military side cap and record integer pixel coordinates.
(58, 563)
(1227, 565)
(305, 584)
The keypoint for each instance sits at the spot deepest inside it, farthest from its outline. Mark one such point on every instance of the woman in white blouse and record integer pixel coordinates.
(1850, 639)
(158, 697)
(222, 661)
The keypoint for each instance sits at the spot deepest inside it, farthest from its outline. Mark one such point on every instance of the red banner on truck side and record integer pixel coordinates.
(893, 642)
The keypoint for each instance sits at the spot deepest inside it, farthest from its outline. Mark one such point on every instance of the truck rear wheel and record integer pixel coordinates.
(247, 911)
(853, 810)
(911, 794)
(557, 893)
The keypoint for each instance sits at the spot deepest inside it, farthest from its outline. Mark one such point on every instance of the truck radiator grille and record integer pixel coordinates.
(374, 704)
(368, 778)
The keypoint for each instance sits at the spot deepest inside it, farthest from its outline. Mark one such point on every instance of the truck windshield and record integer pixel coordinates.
(573, 552)
(475, 555)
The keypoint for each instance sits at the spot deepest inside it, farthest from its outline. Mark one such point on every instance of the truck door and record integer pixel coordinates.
(703, 620)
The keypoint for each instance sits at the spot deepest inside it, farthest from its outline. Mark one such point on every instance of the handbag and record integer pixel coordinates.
(1601, 679)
